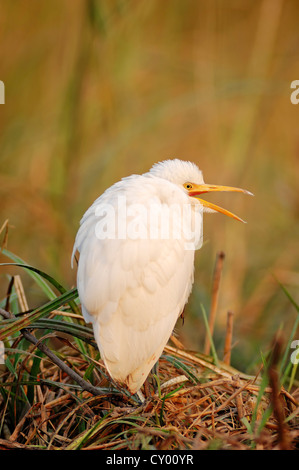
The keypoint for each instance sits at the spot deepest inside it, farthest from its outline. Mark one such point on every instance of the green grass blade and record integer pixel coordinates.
(39, 312)
(73, 329)
(183, 367)
(214, 353)
(35, 274)
(39, 277)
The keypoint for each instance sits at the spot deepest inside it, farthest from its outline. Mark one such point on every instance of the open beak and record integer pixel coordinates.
(198, 189)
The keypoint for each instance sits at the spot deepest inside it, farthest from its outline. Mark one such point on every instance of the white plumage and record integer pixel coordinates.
(135, 270)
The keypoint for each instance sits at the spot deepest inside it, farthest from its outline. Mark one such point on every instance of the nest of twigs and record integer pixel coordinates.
(192, 404)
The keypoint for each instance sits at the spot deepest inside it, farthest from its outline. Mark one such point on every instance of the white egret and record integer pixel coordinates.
(135, 272)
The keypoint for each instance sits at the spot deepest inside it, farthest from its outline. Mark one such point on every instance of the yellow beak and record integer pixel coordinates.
(197, 189)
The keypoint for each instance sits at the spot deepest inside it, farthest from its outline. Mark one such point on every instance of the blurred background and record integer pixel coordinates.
(96, 90)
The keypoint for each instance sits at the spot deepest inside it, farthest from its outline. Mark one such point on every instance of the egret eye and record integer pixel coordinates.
(188, 186)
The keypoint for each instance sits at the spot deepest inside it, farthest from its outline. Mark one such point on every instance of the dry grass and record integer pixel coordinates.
(98, 90)
(55, 392)
(196, 406)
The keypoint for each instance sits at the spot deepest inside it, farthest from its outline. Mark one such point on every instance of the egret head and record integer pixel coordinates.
(177, 171)
(189, 177)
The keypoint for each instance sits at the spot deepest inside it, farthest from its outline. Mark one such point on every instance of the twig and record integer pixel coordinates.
(197, 360)
(20, 293)
(228, 338)
(239, 403)
(13, 445)
(215, 294)
(278, 411)
(4, 229)
(176, 380)
(13, 437)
